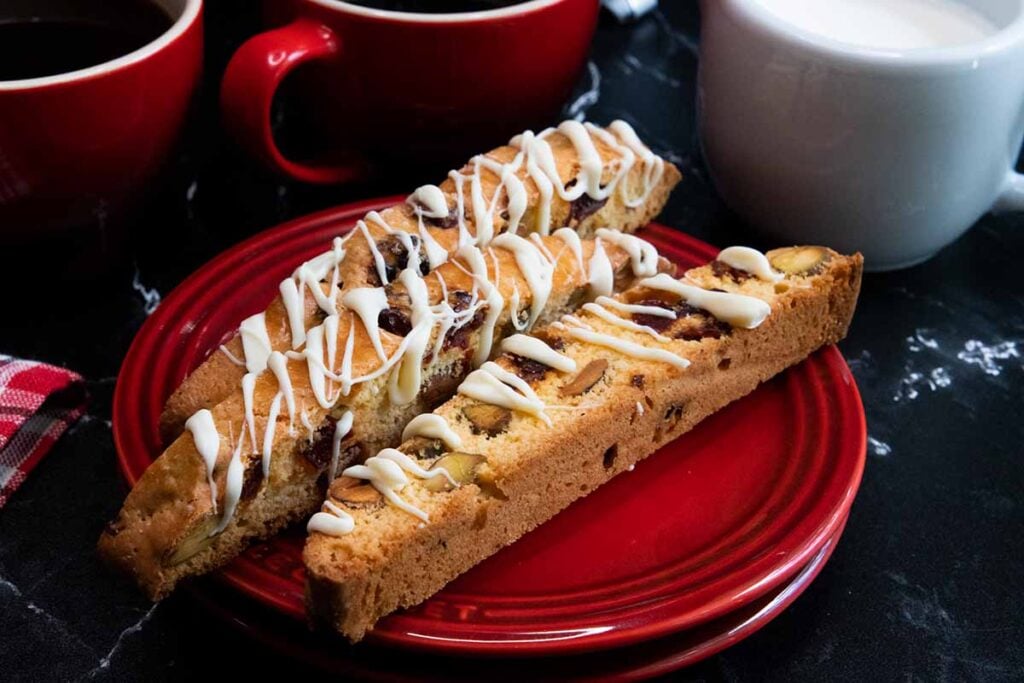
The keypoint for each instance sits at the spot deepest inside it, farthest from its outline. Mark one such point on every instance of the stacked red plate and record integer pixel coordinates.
(699, 546)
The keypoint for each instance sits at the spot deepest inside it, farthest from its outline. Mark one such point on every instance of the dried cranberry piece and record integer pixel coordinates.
(251, 479)
(723, 270)
(528, 369)
(394, 321)
(446, 223)
(583, 207)
(458, 338)
(655, 322)
(459, 300)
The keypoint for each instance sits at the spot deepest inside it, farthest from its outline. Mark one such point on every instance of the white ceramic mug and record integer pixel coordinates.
(892, 153)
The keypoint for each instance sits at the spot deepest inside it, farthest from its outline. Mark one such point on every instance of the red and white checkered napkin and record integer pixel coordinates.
(37, 403)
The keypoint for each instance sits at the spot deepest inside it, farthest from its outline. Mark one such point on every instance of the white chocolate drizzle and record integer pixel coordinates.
(233, 481)
(609, 317)
(268, 434)
(248, 396)
(255, 342)
(310, 429)
(535, 150)
(386, 472)
(739, 310)
(537, 350)
(495, 302)
(635, 309)
(654, 166)
(750, 261)
(432, 426)
(628, 348)
(600, 276)
(643, 255)
(367, 303)
(378, 258)
(573, 320)
(334, 522)
(493, 384)
(534, 267)
(294, 310)
(231, 357)
(207, 440)
(341, 429)
(573, 243)
(539, 243)
(278, 365)
(430, 201)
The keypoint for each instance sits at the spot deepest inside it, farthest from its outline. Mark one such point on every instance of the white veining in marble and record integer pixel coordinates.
(53, 622)
(150, 296)
(922, 339)
(914, 382)
(85, 419)
(578, 108)
(879, 448)
(104, 662)
(633, 64)
(986, 356)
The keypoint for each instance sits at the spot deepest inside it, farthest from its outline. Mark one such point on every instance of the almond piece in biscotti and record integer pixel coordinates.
(461, 466)
(354, 492)
(487, 419)
(586, 379)
(198, 539)
(799, 260)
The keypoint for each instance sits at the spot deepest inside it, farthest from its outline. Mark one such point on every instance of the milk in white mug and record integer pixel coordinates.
(894, 24)
(885, 126)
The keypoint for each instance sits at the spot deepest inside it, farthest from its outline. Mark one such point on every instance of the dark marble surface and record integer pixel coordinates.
(925, 584)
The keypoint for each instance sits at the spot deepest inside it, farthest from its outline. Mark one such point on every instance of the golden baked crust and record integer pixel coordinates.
(163, 532)
(218, 375)
(392, 560)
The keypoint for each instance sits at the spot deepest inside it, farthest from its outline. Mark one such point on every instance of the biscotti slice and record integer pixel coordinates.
(559, 414)
(256, 461)
(576, 175)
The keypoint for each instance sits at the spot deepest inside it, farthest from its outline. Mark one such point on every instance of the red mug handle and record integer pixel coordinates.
(253, 76)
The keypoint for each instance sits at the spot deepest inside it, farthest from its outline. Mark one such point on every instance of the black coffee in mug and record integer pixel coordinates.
(436, 6)
(50, 38)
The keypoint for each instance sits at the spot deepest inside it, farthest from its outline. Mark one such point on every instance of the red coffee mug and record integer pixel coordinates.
(388, 86)
(75, 147)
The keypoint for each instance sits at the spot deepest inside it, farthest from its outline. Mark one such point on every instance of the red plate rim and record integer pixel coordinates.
(748, 583)
(636, 662)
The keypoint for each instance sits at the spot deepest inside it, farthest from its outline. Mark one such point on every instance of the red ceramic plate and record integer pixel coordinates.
(635, 662)
(713, 521)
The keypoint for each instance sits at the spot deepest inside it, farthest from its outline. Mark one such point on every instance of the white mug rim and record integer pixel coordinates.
(449, 18)
(186, 18)
(1005, 39)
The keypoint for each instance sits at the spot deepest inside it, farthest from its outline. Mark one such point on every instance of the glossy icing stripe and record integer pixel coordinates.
(628, 348)
(739, 310)
(334, 522)
(750, 261)
(609, 317)
(432, 426)
(341, 429)
(536, 349)
(207, 442)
